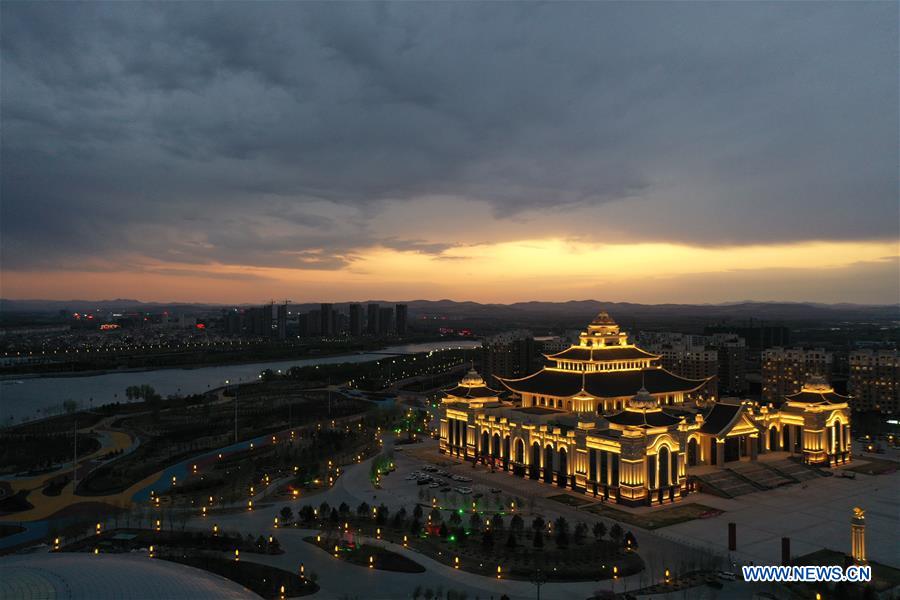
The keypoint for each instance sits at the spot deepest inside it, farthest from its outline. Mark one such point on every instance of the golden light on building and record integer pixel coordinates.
(858, 536)
(607, 420)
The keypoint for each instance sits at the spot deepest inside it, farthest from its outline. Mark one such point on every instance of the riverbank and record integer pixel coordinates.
(42, 397)
(311, 352)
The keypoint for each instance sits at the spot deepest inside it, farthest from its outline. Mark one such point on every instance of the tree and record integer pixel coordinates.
(487, 539)
(616, 533)
(324, 509)
(562, 538)
(362, 510)
(475, 522)
(69, 406)
(599, 530)
(630, 541)
(537, 524)
(517, 524)
(581, 531)
(538, 540)
(435, 515)
(343, 508)
(455, 519)
(287, 515)
(334, 517)
(511, 540)
(417, 512)
(306, 513)
(497, 522)
(382, 514)
(415, 526)
(443, 531)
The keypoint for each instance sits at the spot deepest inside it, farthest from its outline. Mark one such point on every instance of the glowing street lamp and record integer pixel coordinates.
(456, 563)
(237, 555)
(215, 531)
(151, 553)
(98, 528)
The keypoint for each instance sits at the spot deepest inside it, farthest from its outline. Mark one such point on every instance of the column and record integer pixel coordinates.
(754, 446)
(792, 438)
(720, 453)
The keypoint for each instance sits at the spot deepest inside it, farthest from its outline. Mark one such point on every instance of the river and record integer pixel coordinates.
(35, 398)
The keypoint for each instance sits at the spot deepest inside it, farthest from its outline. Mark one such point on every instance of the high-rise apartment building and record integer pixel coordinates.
(281, 322)
(700, 356)
(326, 316)
(356, 320)
(873, 382)
(385, 320)
(314, 322)
(400, 318)
(372, 319)
(785, 370)
(511, 354)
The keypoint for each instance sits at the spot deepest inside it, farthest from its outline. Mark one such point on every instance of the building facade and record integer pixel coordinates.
(509, 354)
(784, 370)
(609, 421)
(873, 380)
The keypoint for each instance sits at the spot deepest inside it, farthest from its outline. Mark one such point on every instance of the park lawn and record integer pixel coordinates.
(382, 558)
(261, 579)
(570, 500)
(874, 466)
(663, 517)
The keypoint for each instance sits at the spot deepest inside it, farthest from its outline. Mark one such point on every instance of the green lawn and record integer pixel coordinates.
(656, 519)
(570, 500)
(875, 466)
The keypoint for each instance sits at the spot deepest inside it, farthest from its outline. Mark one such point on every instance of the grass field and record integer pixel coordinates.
(656, 519)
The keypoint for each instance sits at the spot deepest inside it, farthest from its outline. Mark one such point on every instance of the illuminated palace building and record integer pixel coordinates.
(608, 421)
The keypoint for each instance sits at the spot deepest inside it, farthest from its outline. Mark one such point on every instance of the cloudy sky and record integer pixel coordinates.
(649, 152)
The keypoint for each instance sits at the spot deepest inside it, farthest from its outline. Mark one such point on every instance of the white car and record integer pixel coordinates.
(464, 490)
(464, 479)
(727, 575)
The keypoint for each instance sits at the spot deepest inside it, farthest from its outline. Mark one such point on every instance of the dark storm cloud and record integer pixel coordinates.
(269, 134)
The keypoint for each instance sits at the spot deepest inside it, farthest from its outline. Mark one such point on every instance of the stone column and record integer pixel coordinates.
(858, 536)
(792, 438)
(754, 447)
(720, 453)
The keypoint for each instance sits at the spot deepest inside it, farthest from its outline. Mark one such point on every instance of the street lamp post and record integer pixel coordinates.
(538, 579)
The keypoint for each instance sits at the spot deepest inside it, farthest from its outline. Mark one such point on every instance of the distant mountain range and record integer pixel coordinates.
(578, 310)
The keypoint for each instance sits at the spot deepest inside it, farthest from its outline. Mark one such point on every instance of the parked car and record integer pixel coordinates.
(727, 575)
(464, 490)
(423, 482)
(495, 490)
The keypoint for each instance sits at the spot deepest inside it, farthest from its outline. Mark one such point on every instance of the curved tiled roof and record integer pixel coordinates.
(464, 391)
(829, 397)
(602, 384)
(719, 417)
(640, 418)
(601, 353)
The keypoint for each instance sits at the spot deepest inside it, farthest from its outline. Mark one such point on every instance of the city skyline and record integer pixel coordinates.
(331, 152)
